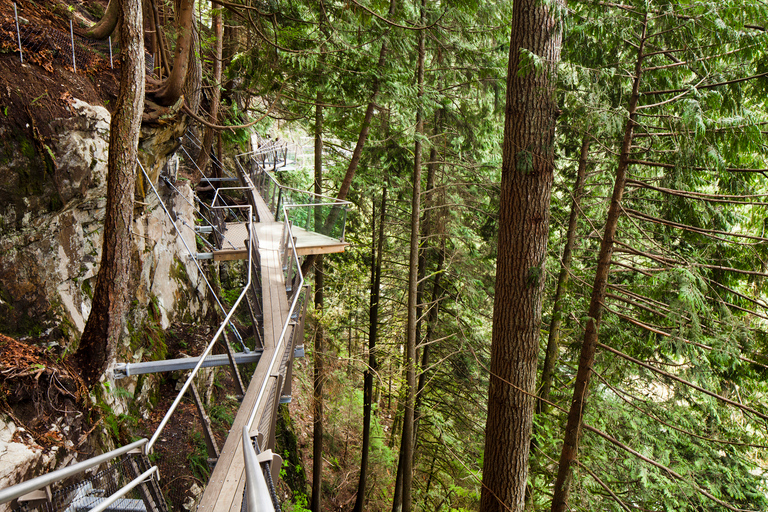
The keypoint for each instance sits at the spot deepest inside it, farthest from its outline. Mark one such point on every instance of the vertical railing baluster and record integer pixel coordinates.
(72, 38)
(18, 33)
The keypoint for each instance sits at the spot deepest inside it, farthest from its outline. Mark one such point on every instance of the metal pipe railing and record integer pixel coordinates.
(104, 505)
(281, 339)
(11, 493)
(257, 496)
(210, 346)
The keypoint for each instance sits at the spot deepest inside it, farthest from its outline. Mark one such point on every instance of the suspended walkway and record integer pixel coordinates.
(261, 229)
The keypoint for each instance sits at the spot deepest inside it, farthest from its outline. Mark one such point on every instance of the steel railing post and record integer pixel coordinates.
(18, 33)
(72, 38)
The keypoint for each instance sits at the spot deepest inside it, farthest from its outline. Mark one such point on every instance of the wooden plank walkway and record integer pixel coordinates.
(224, 491)
(307, 242)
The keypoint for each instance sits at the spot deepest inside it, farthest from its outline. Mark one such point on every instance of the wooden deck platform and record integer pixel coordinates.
(224, 492)
(307, 242)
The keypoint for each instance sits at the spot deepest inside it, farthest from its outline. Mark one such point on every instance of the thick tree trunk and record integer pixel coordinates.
(373, 332)
(553, 341)
(317, 447)
(110, 298)
(171, 90)
(150, 41)
(192, 88)
(207, 144)
(589, 345)
(406, 446)
(526, 186)
(106, 25)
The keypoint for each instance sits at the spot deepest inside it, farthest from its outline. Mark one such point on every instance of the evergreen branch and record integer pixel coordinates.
(622, 394)
(703, 59)
(672, 99)
(669, 471)
(688, 227)
(685, 382)
(202, 121)
(673, 166)
(738, 294)
(658, 331)
(392, 23)
(602, 484)
(708, 86)
(712, 198)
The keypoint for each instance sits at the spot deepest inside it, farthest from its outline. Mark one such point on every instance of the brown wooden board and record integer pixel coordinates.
(224, 491)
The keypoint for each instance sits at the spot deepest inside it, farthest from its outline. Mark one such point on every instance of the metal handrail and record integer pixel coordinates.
(332, 200)
(104, 505)
(41, 481)
(257, 497)
(262, 492)
(283, 332)
(210, 346)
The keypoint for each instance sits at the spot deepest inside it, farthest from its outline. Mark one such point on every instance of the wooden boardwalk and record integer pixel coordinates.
(224, 491)
(235, 246)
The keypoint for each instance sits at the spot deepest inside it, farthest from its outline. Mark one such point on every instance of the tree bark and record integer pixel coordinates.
(589, 345)
(171, 90)
(526, 186)
(317, 446)
(206, 145)
(107, 319)
(406, 446)
(373, 332)
(553, 341)
(107, 24)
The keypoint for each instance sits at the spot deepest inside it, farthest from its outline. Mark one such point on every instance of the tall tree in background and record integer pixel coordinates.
(526, 185)
(215, 94)
(406, 445)
(317, 397)
(110, 297)
(372, 369)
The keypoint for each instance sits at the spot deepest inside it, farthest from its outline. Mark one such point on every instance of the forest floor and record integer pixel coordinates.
(41, 89)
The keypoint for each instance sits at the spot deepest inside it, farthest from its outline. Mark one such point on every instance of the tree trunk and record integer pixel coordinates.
(171, 90)
(526, 187)
(437, 292)
(373, 332)
(428, 228)
(406, 446)
(106, 25)
(192, 88)
(589, 345)
(207, 144)
(150, 41)
(553, 341)
(317, 447)
(106, 321)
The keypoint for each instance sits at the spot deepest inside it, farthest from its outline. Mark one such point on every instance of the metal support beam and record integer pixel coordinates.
(186, 363)
(233, 365)
(210, 441)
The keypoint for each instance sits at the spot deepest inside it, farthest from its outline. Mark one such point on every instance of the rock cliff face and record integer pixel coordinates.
(50, 231)
(52, 204)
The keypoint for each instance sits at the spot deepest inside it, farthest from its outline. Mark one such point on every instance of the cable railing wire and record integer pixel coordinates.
(45, 45)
